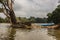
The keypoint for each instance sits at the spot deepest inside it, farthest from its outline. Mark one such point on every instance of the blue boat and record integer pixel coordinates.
(47, 24)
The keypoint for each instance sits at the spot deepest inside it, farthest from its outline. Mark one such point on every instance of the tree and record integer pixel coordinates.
(8, 10)
(49, 19)
(1, 10)
(2, 20)
(55, 16)
(7, 20)
(32, 19)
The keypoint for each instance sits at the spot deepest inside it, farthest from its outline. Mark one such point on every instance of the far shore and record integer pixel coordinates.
(49, 27)
(37, 26)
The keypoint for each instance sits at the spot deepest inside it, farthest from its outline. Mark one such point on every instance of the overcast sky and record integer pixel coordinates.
(36, 8)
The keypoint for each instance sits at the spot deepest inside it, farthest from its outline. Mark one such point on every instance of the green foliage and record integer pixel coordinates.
(1, 10)
(55, 16)
(3, 1)
(23, 19)
(2, 20)
(32, 20)
(40, 20)
(7, 20)
(49, 17)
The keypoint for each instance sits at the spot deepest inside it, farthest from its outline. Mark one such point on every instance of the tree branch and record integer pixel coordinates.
(6, 13)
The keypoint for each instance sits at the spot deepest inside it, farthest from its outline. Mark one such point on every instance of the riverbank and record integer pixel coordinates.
(49, 27)
(34, 26)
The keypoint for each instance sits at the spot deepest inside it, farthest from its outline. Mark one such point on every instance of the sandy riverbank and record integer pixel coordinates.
(50, 27)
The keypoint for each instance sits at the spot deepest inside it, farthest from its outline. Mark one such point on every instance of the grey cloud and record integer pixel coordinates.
(17, 7)
(59, 1)
(37, 8)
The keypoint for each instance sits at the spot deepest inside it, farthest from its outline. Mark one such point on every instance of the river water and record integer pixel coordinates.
(9, 33)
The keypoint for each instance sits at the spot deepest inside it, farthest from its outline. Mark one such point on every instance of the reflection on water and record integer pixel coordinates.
(12, 34)
(8, 33)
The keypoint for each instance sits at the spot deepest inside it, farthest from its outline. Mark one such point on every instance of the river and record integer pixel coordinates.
(9, 33)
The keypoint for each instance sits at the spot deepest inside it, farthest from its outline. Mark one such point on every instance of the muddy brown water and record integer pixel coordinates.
(9, 33)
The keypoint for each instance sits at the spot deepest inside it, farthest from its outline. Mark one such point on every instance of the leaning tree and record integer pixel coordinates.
(7, 6)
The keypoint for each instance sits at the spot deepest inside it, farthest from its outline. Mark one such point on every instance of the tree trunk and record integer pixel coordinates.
(13, 18)
(11, 12)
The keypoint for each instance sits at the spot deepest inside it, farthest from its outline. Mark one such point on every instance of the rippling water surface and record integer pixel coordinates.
(8, 33)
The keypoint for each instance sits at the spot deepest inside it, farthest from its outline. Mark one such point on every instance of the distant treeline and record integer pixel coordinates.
(4, 20)
(24, 19)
